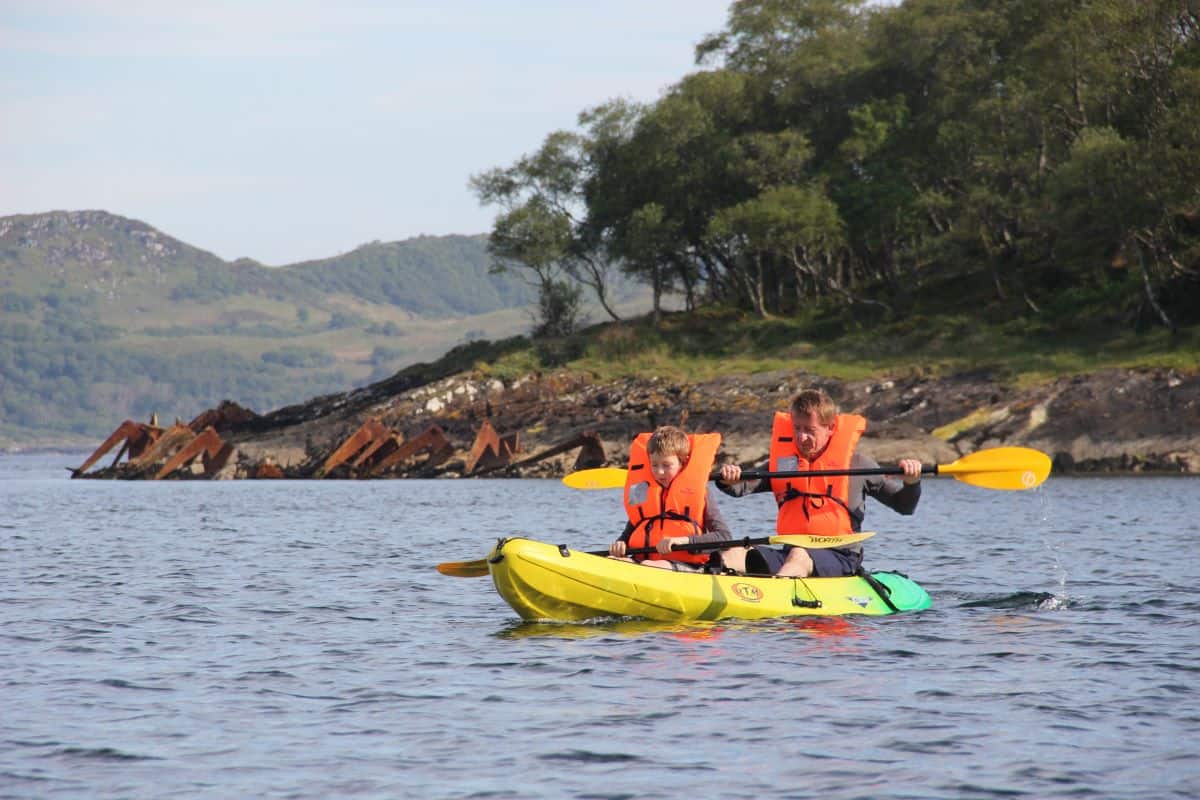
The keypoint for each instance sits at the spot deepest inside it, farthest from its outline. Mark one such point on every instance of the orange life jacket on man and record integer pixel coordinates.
(677, 510)
(817, 505)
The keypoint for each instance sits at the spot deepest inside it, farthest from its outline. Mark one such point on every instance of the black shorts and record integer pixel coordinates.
(827, 563)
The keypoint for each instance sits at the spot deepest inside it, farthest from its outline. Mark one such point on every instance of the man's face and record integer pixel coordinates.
(811, 434)
(665, 468)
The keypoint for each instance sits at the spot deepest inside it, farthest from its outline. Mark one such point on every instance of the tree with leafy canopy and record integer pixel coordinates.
(541, 227)
(909, 156)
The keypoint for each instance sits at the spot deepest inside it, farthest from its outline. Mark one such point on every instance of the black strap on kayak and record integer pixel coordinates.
(881, 589)
(797, 602)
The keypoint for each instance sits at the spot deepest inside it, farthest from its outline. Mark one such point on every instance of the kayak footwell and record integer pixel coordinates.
(548, 582)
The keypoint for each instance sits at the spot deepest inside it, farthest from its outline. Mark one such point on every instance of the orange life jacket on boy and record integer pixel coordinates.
(818, 505)
(677, 510)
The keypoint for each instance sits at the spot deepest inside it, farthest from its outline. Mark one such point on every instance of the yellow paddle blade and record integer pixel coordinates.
(1012, 468)
(815, 542)
(600, 478)
(464, 569)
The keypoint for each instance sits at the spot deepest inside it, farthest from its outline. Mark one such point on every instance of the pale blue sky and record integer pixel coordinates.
(286, 131)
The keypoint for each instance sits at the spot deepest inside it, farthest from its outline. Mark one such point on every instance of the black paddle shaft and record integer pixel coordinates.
(689, 546)
(756, 474)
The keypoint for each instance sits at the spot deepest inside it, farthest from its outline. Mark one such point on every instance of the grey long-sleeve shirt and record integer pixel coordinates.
(895, 494)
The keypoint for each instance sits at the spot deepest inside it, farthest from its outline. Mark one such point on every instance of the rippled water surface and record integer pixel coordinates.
(292, 639)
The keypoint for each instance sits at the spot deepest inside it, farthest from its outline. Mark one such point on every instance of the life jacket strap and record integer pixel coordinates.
(648, 522)
(793, 493)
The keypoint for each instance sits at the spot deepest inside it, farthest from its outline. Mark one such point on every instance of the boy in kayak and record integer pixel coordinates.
(813, 435)
(667, 499)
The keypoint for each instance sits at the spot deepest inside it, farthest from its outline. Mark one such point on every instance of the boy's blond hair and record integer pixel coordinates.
(667, 440)
(808, 400)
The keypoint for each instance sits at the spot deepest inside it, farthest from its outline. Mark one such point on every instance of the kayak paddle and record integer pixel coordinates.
(1012, 468)
(478, 568)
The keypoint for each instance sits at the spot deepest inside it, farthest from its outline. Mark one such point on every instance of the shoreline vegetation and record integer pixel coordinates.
(1115, 412)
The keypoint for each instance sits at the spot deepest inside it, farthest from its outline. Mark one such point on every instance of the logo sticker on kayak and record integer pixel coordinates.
(748, 592)
(861, 602)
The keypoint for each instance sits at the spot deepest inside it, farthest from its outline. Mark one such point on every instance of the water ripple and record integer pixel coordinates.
(589, 757)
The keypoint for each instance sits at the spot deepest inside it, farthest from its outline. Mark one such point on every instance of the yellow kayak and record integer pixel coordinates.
(552, 582)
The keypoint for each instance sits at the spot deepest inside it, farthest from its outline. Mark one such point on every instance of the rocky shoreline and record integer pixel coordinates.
(1115, 421)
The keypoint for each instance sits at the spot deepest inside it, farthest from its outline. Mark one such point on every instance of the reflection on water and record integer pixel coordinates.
(612, 627)
(826, 626)
(696, 630)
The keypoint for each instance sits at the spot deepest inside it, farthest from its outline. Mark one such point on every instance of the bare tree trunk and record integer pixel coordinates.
(1043, 156)
(602, 297)
(726, 283)
(689, 283)
(656, 286)
(757, 296)
(595, 276)
(1149, 289)
(746, 280)
(984, 227)
(853, 299)
(1077, 90)
(805, 275)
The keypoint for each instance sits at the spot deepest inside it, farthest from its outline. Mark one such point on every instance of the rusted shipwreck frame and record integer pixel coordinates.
(372, 451)
(147, 445)
(375, 450)
(490, 450)
(591, 454)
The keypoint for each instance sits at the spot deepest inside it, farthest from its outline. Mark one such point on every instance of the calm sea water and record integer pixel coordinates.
(292, 639)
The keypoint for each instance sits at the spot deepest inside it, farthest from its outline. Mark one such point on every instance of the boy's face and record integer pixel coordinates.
(665, 468)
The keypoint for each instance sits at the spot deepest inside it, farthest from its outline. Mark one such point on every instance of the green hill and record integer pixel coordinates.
(116, 265)
(104, 317)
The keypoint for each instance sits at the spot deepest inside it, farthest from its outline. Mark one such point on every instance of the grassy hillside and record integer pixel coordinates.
(104, 318)
(831, 341)
(128, 266)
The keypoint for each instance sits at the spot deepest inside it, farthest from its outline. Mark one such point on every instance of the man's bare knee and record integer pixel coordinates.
(797, 565)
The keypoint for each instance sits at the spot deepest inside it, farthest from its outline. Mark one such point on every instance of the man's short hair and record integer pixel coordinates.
(807, 401)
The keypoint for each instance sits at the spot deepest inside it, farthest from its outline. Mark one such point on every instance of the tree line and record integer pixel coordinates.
(1034, 156)
(73, 376)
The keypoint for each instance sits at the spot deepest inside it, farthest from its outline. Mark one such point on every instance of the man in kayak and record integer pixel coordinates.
(668, 501)
(813, 435)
